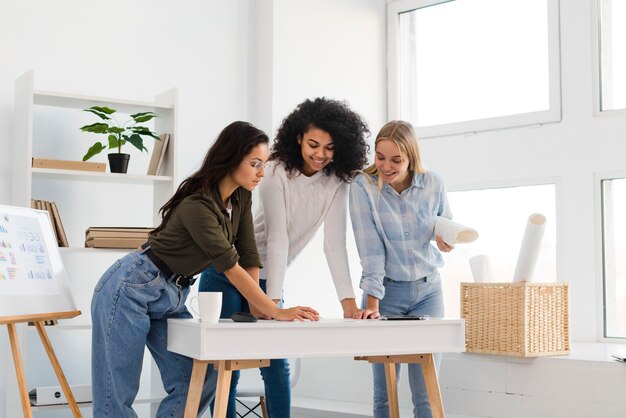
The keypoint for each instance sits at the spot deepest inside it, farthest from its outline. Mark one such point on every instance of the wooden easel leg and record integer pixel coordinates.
(196, 384)
(432, 386)
(57, 369)
(392, 390)
(19, 372)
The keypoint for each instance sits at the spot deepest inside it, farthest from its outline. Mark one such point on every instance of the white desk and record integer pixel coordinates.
(228, 346)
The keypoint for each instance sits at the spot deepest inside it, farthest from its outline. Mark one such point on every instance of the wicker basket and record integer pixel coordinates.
(516, 319)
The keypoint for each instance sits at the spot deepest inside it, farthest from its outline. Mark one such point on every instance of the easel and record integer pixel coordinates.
(38, 319)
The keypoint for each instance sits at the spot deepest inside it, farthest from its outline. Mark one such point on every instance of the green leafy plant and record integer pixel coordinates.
(130, 131)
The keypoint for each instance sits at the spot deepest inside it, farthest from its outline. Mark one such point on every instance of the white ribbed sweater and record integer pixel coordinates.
(290, 212)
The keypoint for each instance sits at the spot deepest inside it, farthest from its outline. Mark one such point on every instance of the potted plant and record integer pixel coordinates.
(130, 131)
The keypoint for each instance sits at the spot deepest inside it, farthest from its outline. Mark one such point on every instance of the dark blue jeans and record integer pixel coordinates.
(276, 376)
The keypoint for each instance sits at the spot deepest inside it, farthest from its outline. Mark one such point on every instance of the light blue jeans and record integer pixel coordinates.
(423, 296)
(276, 376)
(130, 307)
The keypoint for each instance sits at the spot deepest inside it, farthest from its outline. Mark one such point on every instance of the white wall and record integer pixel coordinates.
(334, 49)
(257, 59)
(131, 50)
(128, 50)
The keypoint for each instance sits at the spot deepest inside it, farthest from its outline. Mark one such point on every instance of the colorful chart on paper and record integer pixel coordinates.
(32, 276)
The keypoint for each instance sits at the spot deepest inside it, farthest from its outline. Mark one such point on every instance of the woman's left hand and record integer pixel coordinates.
(442, 245)
(366, 314)
(258, 314)
(349, 307)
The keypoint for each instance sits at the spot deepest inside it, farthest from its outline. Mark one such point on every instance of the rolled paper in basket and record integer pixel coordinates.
(481, 269)
(529, 251)
(454, 233)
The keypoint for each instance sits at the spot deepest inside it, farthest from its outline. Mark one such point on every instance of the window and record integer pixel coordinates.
(466, 66)
(500, 216)
(614, 263)
(612, 54)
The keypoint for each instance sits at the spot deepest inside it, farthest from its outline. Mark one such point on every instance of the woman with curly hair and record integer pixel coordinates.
(318, 149)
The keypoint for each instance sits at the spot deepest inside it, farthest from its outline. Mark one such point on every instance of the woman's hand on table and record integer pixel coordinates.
(297, 313)
(368, 313)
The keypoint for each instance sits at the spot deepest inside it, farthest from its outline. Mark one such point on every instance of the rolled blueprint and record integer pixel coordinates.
(529, 251)
(454, 233)
(481, 269)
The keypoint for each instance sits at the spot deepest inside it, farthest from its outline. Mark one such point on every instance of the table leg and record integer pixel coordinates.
(196, 383)
(224, 375)
(432, 386)
(427, 361)
(392, 390)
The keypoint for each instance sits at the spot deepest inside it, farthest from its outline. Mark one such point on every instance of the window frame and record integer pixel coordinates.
(599, 254)
(555, 181)
(596, 46)
(552, 115)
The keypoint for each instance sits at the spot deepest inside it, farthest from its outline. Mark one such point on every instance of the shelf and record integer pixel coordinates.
(85, 250)
(97, 176)
(87, 198)
(75, 101)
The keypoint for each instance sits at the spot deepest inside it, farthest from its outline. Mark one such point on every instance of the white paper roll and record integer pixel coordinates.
(529, 251)
(454, 233)
(481, 269)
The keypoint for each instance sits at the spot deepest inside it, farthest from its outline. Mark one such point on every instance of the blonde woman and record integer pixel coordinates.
(393, 206)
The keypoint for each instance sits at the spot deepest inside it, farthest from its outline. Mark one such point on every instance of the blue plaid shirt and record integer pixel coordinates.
(393, 231)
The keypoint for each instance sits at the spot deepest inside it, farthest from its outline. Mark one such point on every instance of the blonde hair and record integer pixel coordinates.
(404, 136)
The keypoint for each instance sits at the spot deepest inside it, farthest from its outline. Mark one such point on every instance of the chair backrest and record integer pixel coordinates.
(251, 384)
(294, 371)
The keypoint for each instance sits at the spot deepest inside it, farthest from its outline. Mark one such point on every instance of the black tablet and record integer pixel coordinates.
(403, 317)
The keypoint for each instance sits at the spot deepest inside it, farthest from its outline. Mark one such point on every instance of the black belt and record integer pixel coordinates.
(181, 281)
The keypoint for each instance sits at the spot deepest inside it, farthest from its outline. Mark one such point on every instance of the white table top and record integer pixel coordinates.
(228, 340)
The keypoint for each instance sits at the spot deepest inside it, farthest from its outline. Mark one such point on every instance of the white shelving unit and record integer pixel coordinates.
(48, 123)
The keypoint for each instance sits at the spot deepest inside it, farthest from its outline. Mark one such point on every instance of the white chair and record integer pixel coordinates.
(251, 386)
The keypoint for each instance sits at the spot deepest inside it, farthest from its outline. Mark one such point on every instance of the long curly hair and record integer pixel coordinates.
(347, 129)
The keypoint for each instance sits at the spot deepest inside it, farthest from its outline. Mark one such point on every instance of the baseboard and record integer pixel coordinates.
(297, 412)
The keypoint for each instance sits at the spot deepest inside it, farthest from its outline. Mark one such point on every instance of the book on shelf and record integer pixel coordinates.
(69, 165)
(158, 154)
(112, 237)
(129, 243)
(58, 225)
(55, 219)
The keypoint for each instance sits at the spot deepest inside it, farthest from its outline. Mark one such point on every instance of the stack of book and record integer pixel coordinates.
(109, 237)
(55, 219)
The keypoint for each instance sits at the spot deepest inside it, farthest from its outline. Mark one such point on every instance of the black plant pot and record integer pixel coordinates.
(118, 163)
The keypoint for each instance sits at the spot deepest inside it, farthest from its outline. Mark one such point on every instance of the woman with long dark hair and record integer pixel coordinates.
(208, 222)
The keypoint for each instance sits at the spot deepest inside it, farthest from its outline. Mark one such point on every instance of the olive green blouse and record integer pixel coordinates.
(201, 233)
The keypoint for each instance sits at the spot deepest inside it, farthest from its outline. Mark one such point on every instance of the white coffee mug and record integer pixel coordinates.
(209, 306)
